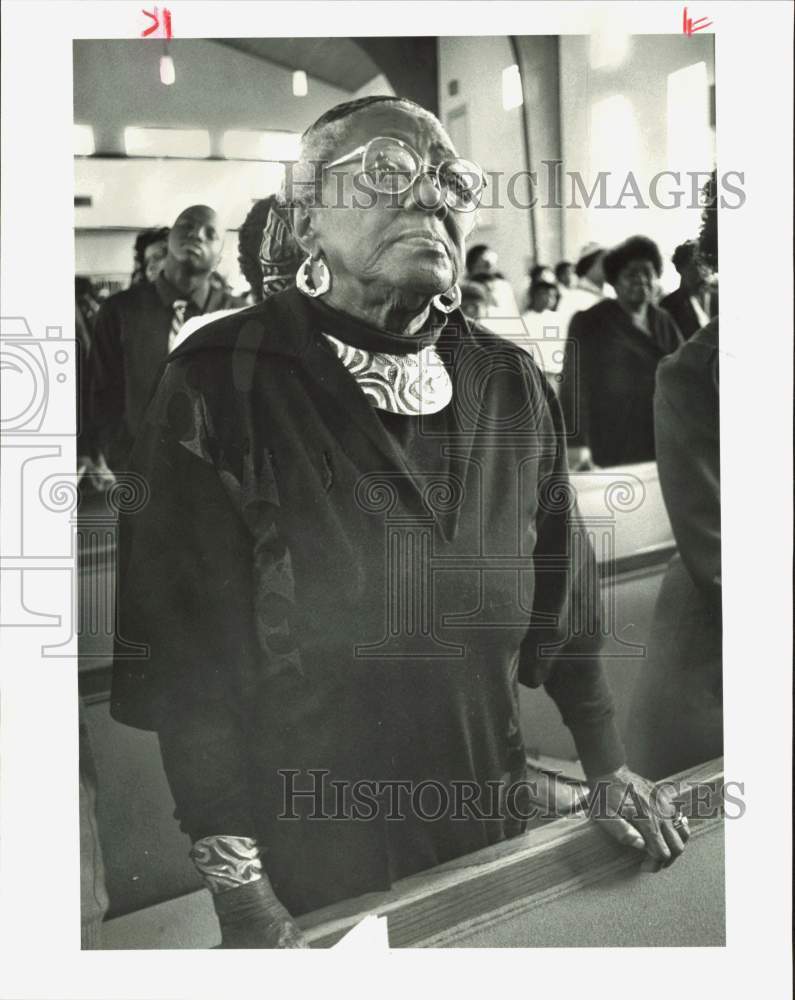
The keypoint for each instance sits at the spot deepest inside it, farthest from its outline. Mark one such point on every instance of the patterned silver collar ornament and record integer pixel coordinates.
(410, 384)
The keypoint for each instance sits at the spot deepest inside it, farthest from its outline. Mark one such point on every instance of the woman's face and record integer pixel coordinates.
(635, 283)
(154, 259)
(544, 297)
(696, 275)
(410, 243)
(486, 263)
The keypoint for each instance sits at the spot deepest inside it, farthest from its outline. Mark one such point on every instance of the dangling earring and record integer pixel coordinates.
(449, 304)
(304, 279)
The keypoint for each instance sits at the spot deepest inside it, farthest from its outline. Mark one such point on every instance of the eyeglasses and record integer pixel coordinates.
(391, 166)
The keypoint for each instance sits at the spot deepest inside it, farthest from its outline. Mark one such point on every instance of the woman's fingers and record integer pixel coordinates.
(289, 936)
(644, 816)
(665, 839)
(656, 844)
(624, 832)
(677, 834)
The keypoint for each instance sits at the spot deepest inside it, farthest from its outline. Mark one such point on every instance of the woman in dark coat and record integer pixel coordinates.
(356, 544)
(612, 354)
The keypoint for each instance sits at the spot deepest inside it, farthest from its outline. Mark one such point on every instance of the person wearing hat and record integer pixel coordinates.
(482, 267)
(588, 289)
(590, 272)
(545, 337)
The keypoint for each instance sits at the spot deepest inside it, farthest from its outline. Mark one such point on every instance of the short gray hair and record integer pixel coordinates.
(322, 140)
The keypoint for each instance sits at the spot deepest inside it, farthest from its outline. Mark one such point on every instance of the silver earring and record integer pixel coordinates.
(305, 280)
(451, 302)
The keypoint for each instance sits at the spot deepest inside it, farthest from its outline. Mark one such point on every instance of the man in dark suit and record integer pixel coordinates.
(135, 328)
(695, 301)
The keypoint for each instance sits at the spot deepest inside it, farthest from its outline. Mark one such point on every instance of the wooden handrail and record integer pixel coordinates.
(434, 908)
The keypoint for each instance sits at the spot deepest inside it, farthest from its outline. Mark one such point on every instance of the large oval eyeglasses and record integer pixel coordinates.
(391, 166)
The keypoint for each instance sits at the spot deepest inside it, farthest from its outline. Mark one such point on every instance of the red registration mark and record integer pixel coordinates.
(689, 26)
(161, 23)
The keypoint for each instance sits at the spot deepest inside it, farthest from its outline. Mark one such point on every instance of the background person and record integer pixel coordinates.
(564, 274)
(151, 248)
(590, 272)
(266, 250)
(534, 287)
(268, 257)
(677, 709)
(695, 302)
(612, 353)
(482, 266)
(543, 293)
(133, 329)
(587, 289)
(542, 324)
(91, 466)
(474, 299)
(284, 445)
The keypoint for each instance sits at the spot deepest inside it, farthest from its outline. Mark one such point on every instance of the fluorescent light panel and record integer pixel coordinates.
(300, 84)
(511, 88)
(187, 143)
(83, 140)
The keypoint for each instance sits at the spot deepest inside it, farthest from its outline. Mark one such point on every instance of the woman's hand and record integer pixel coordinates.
(639, 814)
(252, 917)
(97, 471)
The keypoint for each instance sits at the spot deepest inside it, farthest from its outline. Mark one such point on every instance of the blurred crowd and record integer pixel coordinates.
(598, 328)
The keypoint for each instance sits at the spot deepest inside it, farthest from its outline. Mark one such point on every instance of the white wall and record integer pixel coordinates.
(639, 75)
(589, 70)
(495, 139)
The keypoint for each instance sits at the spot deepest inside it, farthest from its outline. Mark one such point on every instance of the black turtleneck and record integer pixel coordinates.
(358, 333)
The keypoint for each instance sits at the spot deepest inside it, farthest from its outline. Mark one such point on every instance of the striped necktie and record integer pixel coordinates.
(179, 306)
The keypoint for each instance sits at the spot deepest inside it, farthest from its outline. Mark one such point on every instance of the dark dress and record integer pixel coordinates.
(677, 713)
(679, 306)
(608, 381)
(312, 601)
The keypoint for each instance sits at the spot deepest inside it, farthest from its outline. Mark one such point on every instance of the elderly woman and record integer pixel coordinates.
(612, 353)
(353, 550)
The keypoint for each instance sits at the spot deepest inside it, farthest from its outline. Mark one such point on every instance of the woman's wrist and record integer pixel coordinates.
(252, 916)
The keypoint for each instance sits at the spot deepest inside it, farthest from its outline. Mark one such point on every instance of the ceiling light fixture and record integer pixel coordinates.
(168, 72)
(300, 84)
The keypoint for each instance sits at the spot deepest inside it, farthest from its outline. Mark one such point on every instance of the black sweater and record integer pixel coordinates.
(311, 601)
